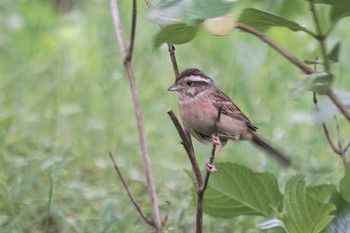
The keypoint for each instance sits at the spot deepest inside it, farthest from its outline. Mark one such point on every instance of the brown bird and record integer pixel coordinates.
(199, 103)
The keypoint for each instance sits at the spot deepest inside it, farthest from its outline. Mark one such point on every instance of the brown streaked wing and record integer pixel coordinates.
(220, 99)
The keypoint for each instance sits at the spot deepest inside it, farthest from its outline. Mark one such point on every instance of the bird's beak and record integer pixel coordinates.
(174, 87)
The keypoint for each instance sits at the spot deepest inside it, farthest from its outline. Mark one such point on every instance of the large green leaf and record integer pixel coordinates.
(175, 34)
(345, 185)
(303, 212)
(187, 11)
(263, 21)
(236, 190)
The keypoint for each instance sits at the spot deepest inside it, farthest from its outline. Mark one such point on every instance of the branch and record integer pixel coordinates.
(320, 37)
(295, 61)
(211, 159)
(187, 144)
(132, 198)
(137, 108)
(338, 150)
(339, 104)
(277, 47)
(171, 49)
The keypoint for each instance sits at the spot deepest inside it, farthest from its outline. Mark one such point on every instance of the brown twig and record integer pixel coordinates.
(137, 108)
(171, 49)
(277, 47)
(188, 146)
(211, 159)
(132, 198)
(295, 61)
(338, 150)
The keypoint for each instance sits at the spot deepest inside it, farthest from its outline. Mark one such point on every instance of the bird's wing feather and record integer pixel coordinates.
(221, 100)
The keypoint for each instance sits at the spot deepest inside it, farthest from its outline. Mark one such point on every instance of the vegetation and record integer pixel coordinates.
(65, 105)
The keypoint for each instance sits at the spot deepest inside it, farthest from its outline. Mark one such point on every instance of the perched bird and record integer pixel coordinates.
(199, 104)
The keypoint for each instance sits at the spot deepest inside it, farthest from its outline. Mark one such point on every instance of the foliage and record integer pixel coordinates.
(238, 191)
(64, 106)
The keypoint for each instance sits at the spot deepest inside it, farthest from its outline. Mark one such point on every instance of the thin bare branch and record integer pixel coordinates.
(339, 104)
(137, 108)
(133, 31)
(211, 159)
(277, 47)
(347, 147)
(329, 139)
(132, 198)
(171, 49)
(187, 144)
(295, 61)
(320, 37)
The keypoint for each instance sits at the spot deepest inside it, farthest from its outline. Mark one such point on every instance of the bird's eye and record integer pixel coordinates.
(189, 83)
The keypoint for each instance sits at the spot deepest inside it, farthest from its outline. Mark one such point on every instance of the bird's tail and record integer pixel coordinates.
(260, 142)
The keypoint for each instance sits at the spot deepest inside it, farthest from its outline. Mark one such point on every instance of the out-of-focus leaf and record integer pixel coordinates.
(301, 211)
(236, 190)
(187, 11)
(344, 185)
(263, 21)
(219, 26)
(334, 54)
(175, 34)
(340, 8)
(326, 108)
(318, 82)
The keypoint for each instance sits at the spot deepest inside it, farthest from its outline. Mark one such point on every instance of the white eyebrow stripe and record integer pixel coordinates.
(195, 78)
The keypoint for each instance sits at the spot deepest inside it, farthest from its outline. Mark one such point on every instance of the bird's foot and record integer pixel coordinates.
(215, 139)
(210, 167)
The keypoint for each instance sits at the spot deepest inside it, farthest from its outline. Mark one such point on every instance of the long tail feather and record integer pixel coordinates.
(260, 142)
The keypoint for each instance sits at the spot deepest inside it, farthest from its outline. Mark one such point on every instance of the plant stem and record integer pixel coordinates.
(137, 108)
(320, 37)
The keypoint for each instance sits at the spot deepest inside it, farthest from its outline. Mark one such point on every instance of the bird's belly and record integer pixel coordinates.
(198, 119)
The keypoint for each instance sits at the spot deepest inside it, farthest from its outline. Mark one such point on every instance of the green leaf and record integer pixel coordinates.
(236, 190)
(318, 82)
(340, 8)
(334, 54)
(263, 21)
(175, 34)
(344, 184)
(326, 108)
(321, 192)
(187, 11)
(303, 212)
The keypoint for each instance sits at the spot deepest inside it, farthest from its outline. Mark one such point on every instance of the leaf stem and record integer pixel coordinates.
(320, 37)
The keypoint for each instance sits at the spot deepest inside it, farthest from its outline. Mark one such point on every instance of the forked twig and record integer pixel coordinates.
(132, 198)
(296, 62)
(127, 56)
(337, 150)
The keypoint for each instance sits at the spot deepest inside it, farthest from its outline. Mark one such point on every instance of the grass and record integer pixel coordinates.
(65, 104)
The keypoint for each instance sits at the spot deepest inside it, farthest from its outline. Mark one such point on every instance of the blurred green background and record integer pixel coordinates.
(65, 104)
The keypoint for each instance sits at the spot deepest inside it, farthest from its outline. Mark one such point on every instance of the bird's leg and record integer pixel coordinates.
(218, 150)
(209, 164)
(215, 139)
(210, 167)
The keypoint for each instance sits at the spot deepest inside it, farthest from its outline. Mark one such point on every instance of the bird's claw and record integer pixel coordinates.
(210, 167)
(215, 139)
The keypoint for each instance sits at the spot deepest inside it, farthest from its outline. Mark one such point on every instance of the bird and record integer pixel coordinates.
(199, 104)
